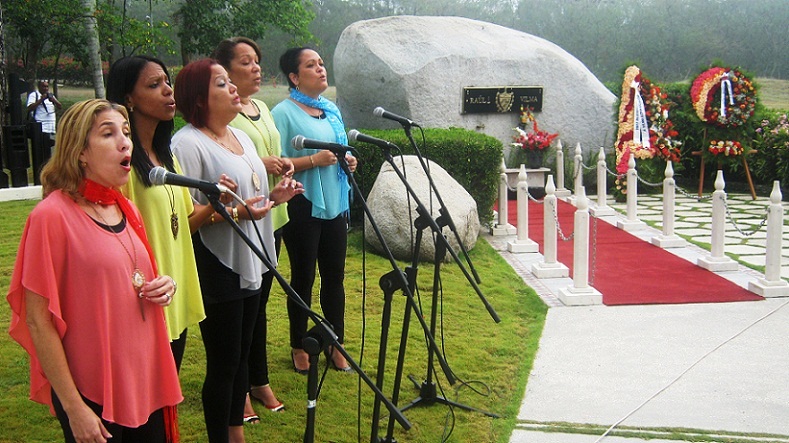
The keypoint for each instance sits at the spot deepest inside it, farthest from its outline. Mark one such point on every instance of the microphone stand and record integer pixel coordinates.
(427, 389)
(320, 335)
(445, 216)
(389, 283)
(445, 219)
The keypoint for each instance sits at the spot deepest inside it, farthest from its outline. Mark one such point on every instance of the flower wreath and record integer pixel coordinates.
(725, 148)
(648, 136)
(723, 96)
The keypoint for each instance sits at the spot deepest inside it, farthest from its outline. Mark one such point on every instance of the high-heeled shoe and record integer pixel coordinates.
(296, 368)
(329, 354)
(251, 419)
(279, 407)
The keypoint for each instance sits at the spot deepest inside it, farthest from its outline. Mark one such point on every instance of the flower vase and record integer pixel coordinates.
(534, 159)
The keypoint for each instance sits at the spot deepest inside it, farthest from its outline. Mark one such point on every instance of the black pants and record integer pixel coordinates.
(151, 432)
(311, 240)
(227, 334)
(230, 313)
(258, 355)
(178, 346)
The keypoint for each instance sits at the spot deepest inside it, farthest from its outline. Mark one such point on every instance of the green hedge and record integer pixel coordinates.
(471, 158)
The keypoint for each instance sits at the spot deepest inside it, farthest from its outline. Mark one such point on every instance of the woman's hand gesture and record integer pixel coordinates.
(285, 190)
(230, 184)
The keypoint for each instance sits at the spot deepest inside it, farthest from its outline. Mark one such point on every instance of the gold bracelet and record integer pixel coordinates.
(312, 163)
(235, 214)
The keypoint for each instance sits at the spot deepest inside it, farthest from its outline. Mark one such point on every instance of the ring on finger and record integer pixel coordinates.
(169, 297)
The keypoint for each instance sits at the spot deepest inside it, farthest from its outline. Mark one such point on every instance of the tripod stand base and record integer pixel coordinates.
(428, 396)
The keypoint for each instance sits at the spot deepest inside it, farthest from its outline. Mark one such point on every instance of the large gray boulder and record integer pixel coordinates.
(417, 67)
(389, 206)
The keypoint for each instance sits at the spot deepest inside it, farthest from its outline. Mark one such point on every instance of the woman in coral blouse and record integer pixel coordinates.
(85, 294)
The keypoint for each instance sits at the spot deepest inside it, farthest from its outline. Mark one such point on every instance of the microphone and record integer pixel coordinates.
(381, 112)
(161, 176)
(355, 135)
(300, 142)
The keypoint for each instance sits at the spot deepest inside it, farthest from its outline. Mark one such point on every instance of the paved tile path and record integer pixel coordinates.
(595, 363)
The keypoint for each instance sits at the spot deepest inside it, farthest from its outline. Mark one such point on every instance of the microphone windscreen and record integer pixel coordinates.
(379, 111)
(297, 142)
(352, 134)
(157, 175)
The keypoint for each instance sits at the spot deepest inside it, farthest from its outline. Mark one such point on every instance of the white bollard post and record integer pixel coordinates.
(502, 227)
(632, 223)
(561, 191)
(580, 293)
(667, 239)
(602, 208)
(772, 285)
(549, 267)
(717, 261)
(578, 160)
(523, 243)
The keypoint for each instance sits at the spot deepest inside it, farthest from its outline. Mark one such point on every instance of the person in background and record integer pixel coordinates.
(142, 85)
(231, 274)
(43, 105)
(317, 230)
(85, 294)
(240, 56)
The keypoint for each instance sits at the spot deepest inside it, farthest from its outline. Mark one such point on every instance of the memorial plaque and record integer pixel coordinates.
(501, 99)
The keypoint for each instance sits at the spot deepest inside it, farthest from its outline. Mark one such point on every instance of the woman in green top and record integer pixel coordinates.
(240, 56)
(142, 84)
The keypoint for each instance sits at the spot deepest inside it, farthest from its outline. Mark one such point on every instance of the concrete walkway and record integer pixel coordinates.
(662, 373)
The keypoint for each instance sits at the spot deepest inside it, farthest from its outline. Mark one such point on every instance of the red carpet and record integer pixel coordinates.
(628, 270)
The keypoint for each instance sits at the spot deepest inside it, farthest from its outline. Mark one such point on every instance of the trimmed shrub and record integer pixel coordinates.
(471, 158)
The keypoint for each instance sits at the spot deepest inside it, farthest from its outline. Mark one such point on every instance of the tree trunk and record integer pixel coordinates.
(92, 31)
(3, 86)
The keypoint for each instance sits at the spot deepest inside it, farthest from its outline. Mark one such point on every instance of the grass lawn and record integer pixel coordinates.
(773, 93)
(491, 361)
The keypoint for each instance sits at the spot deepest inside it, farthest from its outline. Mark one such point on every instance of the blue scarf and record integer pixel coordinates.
(335, 120)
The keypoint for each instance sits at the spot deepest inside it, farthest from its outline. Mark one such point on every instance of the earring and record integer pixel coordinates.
(131, 108)
(297, 87)
(83, 164)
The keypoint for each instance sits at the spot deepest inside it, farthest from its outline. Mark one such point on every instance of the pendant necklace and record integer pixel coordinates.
(255, 177)
(173, 216)
(260, 119)
(137, 277)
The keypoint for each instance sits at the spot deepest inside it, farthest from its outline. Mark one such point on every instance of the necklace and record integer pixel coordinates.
(137, 277)
(268, 148)
(255, 177)
(173, 216)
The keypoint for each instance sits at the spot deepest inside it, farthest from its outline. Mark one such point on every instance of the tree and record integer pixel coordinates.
(36, 24)
(203, 23)
(123, 33)
(3, 88)
(92, 33)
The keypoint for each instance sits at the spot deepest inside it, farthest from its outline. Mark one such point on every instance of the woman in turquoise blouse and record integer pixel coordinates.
(317, 231)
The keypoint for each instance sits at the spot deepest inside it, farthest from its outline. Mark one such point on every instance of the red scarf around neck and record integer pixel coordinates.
(100, 194)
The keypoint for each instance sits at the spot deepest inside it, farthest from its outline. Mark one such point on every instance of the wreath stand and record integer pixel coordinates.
(720, 166)
(704, 89)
